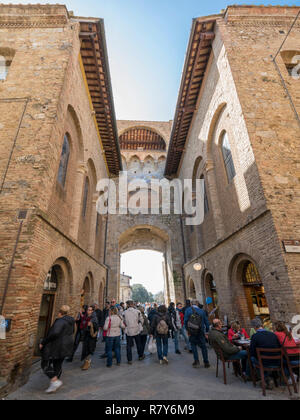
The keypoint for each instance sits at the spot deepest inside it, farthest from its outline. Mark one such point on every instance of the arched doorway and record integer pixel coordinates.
(51, 285)
(86, 292)
(192, 290)
(255, 291)
(211, 295)
(248, 292)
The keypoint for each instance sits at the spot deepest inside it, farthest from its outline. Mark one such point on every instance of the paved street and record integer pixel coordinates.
(145, 380)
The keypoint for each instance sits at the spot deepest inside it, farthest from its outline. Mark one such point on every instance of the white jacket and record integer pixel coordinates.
(133, 321)
(113, 326)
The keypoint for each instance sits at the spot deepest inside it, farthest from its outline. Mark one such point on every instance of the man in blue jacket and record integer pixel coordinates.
(197, 337)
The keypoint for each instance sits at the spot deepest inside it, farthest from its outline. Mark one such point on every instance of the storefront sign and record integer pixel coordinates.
(50, 283)
(292, 246)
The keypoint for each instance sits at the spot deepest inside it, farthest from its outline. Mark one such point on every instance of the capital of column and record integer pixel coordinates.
(209, 166)
(82, 168)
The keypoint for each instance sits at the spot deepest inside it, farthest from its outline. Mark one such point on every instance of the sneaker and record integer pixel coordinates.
(130, 363)
(270, 385)
(118, 364)
(178, 352)
(161, 362)
(207, 365)
(196, 364)
(166, 361)
(108, 366)
(142, 358)
(54, 386)
(103, 356)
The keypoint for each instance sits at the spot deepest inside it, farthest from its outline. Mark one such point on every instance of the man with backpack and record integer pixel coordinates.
(197, 325)
(134, 326)
(160, 327)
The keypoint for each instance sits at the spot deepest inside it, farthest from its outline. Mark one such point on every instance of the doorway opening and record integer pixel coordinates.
(143, 276)
(47, 305)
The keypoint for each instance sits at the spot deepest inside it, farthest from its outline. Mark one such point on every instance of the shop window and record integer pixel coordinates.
(255, 292)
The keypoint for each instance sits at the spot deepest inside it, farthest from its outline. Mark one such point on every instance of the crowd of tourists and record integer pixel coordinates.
(136, 325)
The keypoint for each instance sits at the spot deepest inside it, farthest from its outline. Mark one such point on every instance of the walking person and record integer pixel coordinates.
(146, 331)
(56, 347)
(160, 327)
(78, 335)
(89, 327)
(176, 323)
(197, 325)
(134, 325)
(181, 331)
(113, 325)
(105, 314)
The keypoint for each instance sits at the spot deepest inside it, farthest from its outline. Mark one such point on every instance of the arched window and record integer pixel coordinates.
(291, 60)
(64, 160)
(206, 206)
(85, 197)
(227, 156)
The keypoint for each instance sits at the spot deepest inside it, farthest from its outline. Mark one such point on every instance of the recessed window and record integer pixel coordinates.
(85, 197)
(64, 161)
(227, 157)
(206, 206)
(291, 60)
(6, 57)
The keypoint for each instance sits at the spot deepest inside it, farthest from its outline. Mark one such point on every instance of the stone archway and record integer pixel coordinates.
(151, 238)
(129, 233)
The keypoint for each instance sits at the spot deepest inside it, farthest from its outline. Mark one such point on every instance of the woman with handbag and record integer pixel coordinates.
(145, 332)
(56, 347)
(113, 326)
(89, 327)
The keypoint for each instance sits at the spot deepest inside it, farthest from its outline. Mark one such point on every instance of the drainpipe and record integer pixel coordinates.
(105, 249)
(184, 257)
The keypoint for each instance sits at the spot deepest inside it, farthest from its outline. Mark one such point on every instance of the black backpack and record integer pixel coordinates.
(194, 325)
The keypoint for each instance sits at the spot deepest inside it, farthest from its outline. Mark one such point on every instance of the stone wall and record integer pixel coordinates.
(38, 106)
(243, 95)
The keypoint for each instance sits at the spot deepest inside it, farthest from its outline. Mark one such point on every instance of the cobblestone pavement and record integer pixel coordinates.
(145, 380)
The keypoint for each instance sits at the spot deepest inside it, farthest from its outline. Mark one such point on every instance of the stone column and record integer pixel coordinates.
(216, 209)
(77, 200)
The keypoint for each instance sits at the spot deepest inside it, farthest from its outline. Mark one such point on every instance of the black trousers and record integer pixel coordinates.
(143, 343)
(130, 343)
(53, 368)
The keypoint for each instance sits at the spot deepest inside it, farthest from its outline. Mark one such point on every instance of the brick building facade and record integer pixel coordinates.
(236, 126)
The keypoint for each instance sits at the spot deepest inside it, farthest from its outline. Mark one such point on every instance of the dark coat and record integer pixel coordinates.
(89, 342)
(60, 340)
(156, 320)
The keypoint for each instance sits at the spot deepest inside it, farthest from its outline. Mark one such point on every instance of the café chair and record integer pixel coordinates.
(221, 357)
(276, 355)
(292, 364)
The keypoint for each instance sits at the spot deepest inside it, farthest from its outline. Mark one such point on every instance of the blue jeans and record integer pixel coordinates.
(162, 344)
(113, 343)
(177, 334)
(243, 356)
(199, 340)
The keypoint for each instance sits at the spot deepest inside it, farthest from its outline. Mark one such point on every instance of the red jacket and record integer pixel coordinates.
(232, 333)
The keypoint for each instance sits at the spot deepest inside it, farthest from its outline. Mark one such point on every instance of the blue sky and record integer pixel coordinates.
(147, 42)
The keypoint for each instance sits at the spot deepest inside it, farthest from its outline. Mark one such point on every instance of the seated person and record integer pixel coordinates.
(236, 332)
(286, 340)
(230, 351)
(267, 325)
(264, 339)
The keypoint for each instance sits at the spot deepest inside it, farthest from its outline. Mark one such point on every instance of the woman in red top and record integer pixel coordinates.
(236, 332)
(286, 339)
